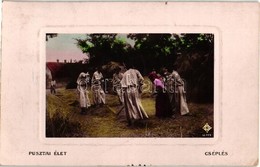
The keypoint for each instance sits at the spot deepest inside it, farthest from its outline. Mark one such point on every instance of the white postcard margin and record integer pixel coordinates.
(22, 106)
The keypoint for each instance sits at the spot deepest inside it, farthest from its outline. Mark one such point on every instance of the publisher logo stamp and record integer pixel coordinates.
(207, 128)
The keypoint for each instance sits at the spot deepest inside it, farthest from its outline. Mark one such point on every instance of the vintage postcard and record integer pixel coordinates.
(129, 83)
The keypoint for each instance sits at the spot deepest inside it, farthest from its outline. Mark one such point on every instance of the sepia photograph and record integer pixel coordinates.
(130, 85)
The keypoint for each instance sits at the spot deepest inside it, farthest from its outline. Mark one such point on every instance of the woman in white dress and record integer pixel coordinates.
(82, 88)
(117, 77)
(179, 92)
(98, 92)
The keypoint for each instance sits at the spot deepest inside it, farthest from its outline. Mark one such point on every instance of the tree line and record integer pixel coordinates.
(192, 55)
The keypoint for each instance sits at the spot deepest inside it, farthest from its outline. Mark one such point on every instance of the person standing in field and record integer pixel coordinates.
(179, 93)
(117, 77)
(162, 102)
(170, 88)
(131, 82)
(82, 88)
(98, 92)
(53, 86)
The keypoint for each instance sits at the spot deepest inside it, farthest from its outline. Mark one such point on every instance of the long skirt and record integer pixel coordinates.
(99, 95)
(172, 102)
(83, 97)
(132, 104)
(181, 101)
(119, 93)
(163, 105)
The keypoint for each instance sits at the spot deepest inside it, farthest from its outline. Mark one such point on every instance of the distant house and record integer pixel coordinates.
(52, 68)
(65, 74)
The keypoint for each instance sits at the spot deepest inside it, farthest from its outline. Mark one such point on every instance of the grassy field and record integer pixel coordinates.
(64, 119)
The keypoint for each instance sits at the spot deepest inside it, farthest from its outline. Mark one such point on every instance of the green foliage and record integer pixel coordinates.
(103, 48)
(154, 50)
(192, 55)
(196, 64)
(50, 35)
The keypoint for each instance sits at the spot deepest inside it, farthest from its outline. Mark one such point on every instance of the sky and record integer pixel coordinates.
(63, 47)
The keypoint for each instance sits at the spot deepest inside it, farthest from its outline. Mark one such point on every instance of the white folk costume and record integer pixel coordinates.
(98, 92)
(117, 77)
(82, 87)
(130, 83)
(179, 93)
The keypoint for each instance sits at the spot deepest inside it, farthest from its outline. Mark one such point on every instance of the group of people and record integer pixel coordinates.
(170, 93)
(96, 87)
(168, 89)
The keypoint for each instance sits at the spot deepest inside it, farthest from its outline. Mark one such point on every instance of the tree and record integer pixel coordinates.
(50, 35)
(154, 50)
(192, 55)
(103, 48)
(195, 62)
